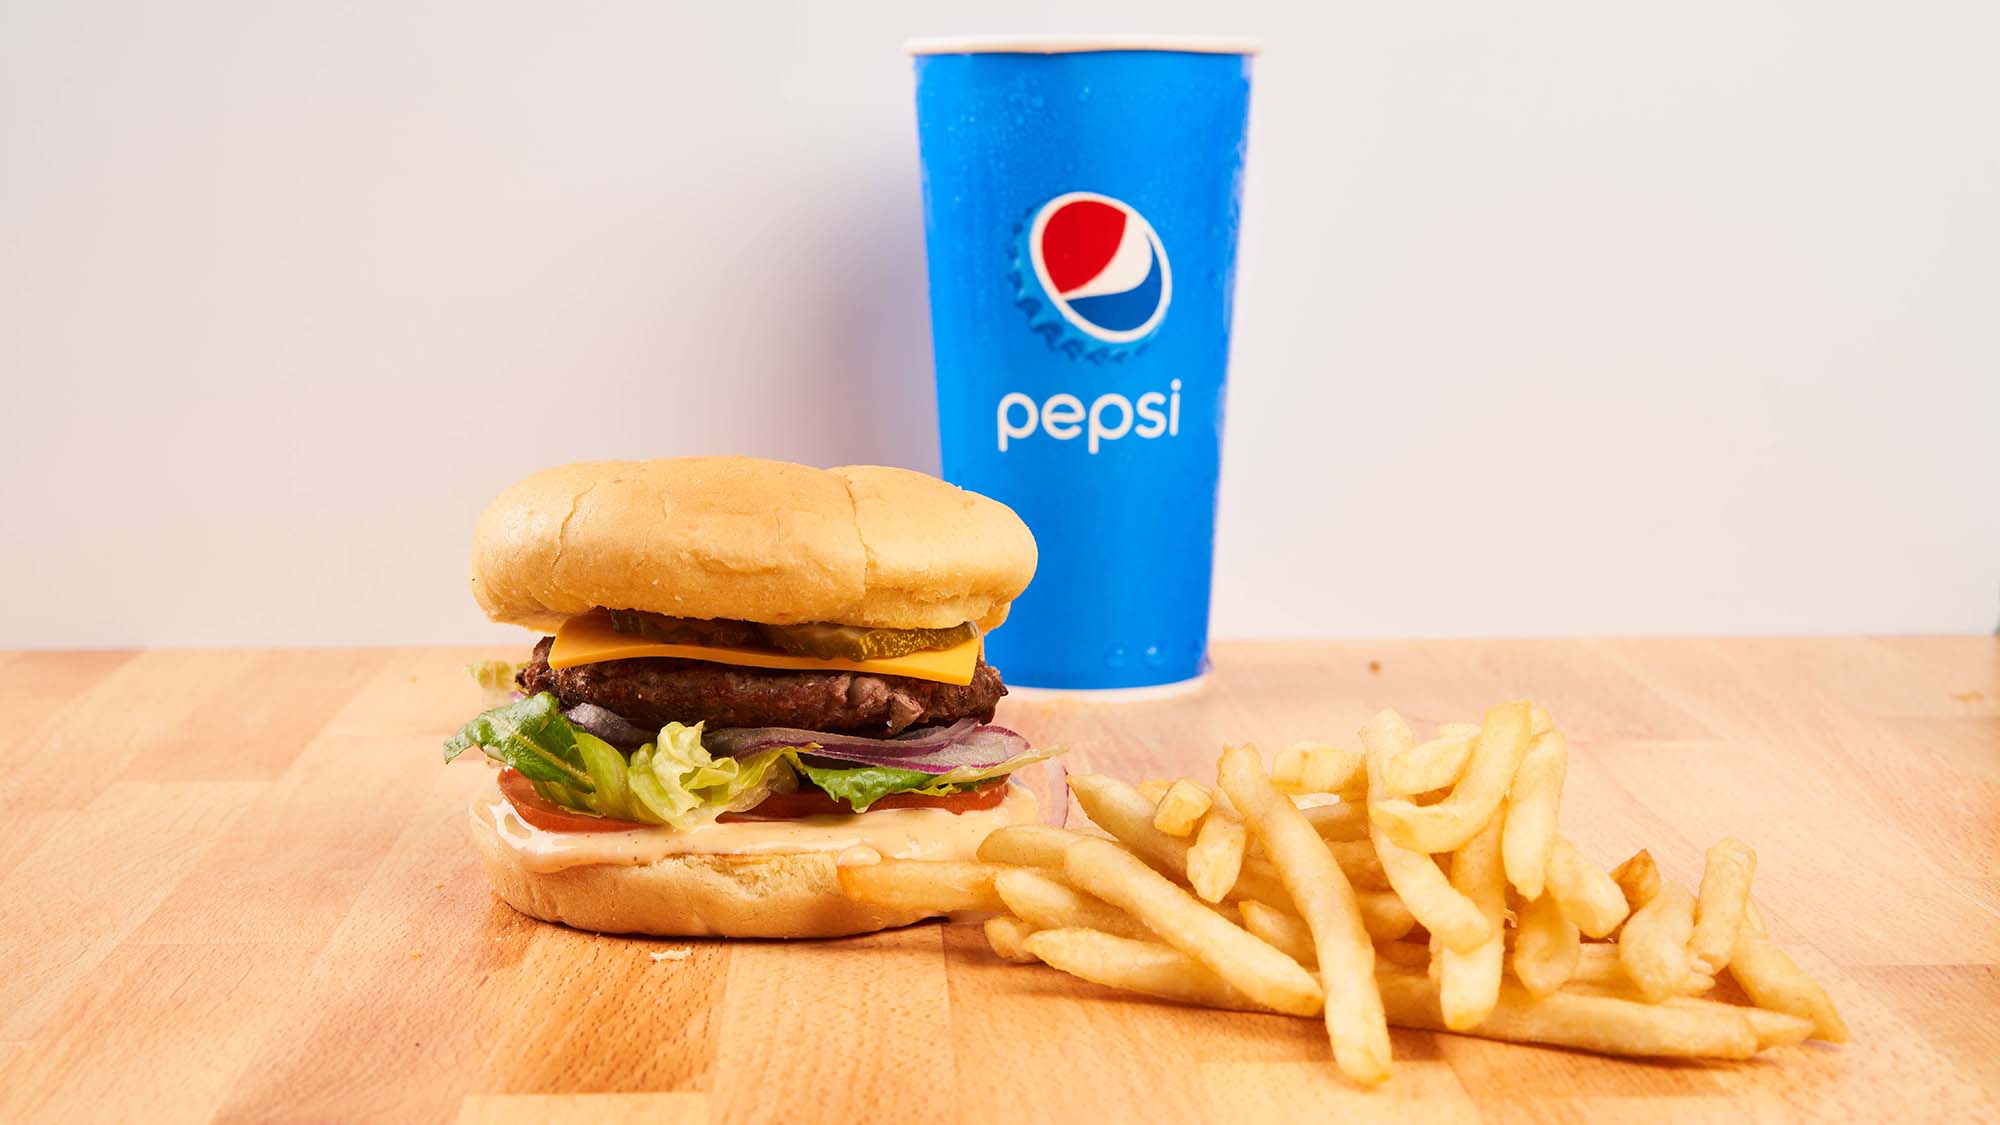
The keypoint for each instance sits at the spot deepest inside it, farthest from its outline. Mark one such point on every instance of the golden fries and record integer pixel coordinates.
(1121, 811)
(1469, 981)
(1257, 970)
(1772, 1029)
(1638, 878)
(1008, 937)
(1603, 1024)
(927, 885)
(1340, 822)
(1027, 845)
(1450, 916)
(1496, 756)
(1385, 915)
(1286, 932)
(1145, 967)
(1215, 860)
(1775, 982)
(1311, 768)
(1437, 764)
(1046, 903)
(1653, 947)
(1531, 813)
(1721, 903)
(1358, 861)
(1325, 900)
(1546, 947)
(1586, 895)
(1236, 897)
(1181, 807)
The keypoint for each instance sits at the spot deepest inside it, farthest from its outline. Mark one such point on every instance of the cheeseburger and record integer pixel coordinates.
(752, 673)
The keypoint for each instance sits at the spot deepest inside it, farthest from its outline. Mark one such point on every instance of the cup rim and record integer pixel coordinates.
(1078, 44)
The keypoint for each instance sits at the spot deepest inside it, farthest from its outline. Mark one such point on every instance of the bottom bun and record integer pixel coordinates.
(790, 895)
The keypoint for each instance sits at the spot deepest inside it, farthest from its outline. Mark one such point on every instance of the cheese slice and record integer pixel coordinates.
(590, 639)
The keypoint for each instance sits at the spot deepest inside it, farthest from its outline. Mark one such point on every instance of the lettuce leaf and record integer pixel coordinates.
(862, 786)
(674, 780)
(532, 736)
(495, 679)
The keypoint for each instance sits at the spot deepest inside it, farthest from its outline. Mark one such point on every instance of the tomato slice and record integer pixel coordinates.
(551, 817)
(807, 801)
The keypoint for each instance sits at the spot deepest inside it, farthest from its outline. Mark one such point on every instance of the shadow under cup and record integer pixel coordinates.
(1080, 215)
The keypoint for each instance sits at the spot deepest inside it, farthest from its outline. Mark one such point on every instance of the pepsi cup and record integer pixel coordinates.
(1080, 206)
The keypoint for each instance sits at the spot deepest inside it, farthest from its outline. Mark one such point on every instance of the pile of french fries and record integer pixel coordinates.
(1423, 885)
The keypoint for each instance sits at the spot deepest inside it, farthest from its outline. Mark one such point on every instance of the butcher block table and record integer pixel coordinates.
(237, 885)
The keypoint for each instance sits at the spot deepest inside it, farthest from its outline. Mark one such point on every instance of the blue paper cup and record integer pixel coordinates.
(1080, 207)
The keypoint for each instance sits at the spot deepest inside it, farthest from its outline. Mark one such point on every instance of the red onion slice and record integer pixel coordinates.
(609, 725)
(964, 744)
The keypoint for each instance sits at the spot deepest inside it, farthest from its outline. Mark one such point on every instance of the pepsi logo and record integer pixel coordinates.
(1101, 265)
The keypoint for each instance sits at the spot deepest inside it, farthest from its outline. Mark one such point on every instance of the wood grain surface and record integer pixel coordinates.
(236, 885)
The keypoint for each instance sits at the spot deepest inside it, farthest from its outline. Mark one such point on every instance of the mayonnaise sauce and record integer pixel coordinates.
(855, 838)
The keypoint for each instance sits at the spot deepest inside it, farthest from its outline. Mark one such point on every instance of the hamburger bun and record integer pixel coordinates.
(786, 895)
(748, 539)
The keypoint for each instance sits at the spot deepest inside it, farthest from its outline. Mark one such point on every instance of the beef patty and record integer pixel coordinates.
(656, 690)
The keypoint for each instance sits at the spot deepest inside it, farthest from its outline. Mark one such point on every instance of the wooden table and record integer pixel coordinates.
(236, 884)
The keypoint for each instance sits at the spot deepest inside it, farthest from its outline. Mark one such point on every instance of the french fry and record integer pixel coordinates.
(1121, 811)
(934, 887)
(1774, 982)
(1586, 894)
(1447, 914)
(1598, 970)
(1546, 947)
(1341, 822)
(1653, 946)
(1358, 861)
(1027, 845)
(1638, 878)
(1469, 981)
(1385, 915)
(1408, 954)
(1539, 722)
(1531, 813)
(1604, 1024)
(1216, 858)
(1260, 972)
(1181, 807)
(1285, 932)
(1145, 967)
(1325, 900)
(1772, 1029)
(1381, 914)
(1437, 764)
(1442, 827)
(1047, 904)
(1008, 935)
(1720, 904)
(1308, 767)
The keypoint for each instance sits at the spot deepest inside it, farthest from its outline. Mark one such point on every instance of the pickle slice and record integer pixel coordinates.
(688, 630)
(818, 640)
(852, 642)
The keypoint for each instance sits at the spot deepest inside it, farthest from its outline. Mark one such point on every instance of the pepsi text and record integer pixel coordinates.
(1063, 417)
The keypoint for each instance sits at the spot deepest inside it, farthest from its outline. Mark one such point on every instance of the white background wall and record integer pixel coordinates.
(1553, 317)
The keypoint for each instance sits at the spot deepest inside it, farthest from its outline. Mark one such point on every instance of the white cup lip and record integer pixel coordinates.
(1078, 44)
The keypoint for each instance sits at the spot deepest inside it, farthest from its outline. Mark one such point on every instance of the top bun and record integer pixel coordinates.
(753, 540)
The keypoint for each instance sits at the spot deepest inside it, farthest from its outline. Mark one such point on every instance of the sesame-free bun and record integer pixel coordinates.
(787, 895)
(754, 540)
